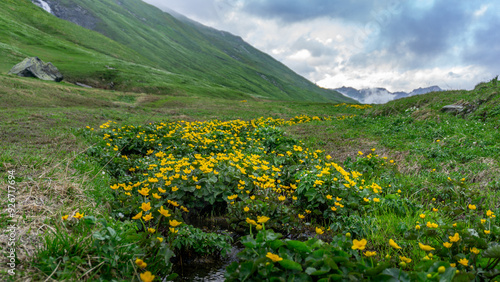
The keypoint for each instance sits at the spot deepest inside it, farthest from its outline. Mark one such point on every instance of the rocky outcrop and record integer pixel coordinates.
(461, 107)
(34, 67)
(73, 13)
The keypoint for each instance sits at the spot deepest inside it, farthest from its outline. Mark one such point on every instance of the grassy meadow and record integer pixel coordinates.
(113, 185)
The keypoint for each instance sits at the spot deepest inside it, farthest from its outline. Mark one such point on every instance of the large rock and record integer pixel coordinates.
(34, 67)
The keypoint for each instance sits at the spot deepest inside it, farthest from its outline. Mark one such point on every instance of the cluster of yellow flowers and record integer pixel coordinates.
(359, 107)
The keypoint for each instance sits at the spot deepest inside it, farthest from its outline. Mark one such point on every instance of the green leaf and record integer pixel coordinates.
(247, 268)
(397, 274)
(249, 242)
(290, 264)
(111, 231)
(298, 246)
(377, 270)
(323, 270)
(331, 263)
(89, 220)
(492, 252)
(276, 244)
(310, 270)
(318, 254)
(97, 235)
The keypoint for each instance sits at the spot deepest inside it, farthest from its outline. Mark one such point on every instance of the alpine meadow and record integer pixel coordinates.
(172, 151)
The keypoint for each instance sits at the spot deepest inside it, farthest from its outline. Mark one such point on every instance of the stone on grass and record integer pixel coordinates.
(34, 67)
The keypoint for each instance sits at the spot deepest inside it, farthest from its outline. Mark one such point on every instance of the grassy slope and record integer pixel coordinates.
(161, 55)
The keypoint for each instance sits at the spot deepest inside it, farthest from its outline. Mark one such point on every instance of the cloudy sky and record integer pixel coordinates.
(396, 44)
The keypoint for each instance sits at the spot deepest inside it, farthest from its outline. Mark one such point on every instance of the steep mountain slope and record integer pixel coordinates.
(150, 51)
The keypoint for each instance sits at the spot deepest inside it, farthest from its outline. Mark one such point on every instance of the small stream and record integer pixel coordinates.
(209, 270)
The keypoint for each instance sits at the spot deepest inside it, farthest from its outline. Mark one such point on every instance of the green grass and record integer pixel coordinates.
(39, 121)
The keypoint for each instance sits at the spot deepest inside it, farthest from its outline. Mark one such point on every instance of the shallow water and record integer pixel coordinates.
(207, 271)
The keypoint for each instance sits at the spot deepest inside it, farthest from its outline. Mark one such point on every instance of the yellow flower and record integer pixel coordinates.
(370, 254)
(147, 276)
(333, 208)
(258, 227)
(489, 213)
(144, 191)
(251, 221)
(394, 244)
(432, 225)
(329, 197)
(338, 199)
(447, 245)
(151, 230)
(156, 196)
(246, 209)
(453, 264)
(164, 212)
(359, 245)
(417, 227)
(273, 257)
(441, 269)
(472, 207)
(301, 216)
(426, 248)
(174, 223)
(137, 216)
(174, 188)
(454, 238)
(139, 262)
(422, 216)
(483, 221)
(173, 230)
(487, 232)
(474, 250)
(198, 187)
(262, 219)
(319, 231)
(281, 198)
(160, 239)
(65, 217)
(78, 215)
(147, 217)
(162, 190)
(376, 200)
(114, 187)
(464, 262)
(434, 210)
(146, 206)
(405, 259)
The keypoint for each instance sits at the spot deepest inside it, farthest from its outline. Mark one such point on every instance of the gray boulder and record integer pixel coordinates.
(34, 67)
(453, 109)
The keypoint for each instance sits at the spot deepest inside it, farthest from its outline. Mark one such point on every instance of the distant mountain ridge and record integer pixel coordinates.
(188, 57)
(382, 95)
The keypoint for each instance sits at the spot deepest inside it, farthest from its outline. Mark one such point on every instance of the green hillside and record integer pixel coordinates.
(149, 51)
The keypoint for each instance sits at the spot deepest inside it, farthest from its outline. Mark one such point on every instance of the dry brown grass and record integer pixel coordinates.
(45, 192)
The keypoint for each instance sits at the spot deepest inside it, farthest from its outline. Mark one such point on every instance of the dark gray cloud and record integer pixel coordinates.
(425, 34)
(485, 47)
(297, 10)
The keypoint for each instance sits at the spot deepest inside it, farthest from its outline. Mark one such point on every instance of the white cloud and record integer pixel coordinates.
(481, 11)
